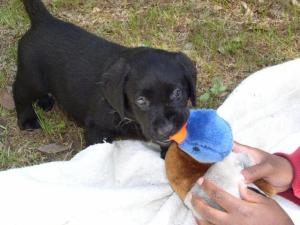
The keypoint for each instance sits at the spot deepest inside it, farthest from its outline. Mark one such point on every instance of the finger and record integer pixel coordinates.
(256, 172)
(251, 196)
(227, 201)
(256, 154)
(208, 213)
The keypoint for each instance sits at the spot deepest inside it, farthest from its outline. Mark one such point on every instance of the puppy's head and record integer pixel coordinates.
(153, 88)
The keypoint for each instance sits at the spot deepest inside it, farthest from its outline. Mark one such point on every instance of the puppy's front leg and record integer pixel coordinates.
(94, 134)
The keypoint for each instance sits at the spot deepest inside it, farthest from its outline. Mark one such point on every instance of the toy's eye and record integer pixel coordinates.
(196, 149)
(176, 95)
(142, 102)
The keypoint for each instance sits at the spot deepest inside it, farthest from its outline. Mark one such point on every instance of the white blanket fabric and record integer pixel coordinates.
(125, 183)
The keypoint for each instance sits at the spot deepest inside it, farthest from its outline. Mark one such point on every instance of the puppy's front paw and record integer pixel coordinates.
(94, 138)
(107, 140)
(30, 125)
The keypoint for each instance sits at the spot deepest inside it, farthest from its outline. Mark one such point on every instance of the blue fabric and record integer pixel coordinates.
(209, 137)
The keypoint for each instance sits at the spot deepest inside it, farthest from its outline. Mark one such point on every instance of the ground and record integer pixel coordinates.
(227, 39)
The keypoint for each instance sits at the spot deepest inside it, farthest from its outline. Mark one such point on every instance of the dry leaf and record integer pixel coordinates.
(53, 148)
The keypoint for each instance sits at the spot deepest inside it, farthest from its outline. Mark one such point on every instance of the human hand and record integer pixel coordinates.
(276, 170)
(252, 209)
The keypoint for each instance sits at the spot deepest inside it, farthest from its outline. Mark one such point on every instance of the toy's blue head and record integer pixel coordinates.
(209, 137)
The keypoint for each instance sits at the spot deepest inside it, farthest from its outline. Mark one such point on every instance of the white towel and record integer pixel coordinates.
(125, 182)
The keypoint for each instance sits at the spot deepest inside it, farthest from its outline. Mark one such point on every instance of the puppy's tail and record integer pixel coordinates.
(36, 10)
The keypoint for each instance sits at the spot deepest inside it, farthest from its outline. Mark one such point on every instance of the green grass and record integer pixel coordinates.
(14, 158)
(51, 122)
(149, 27)
(262, 44)
(214, 95)
(3, 113)
(7, 157)
(58, 4)
(226, 40)
(71, 4)
(2, 79)
(13, 16)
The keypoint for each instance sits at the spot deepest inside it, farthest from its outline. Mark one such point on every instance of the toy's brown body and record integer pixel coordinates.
(183, 172)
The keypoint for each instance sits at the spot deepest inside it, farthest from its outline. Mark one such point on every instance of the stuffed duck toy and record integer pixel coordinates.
(206, 137)
(203, 147)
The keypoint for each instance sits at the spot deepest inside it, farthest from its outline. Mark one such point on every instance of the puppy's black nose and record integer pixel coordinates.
(165, 130)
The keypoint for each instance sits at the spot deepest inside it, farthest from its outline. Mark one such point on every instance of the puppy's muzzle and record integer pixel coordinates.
(165, 131)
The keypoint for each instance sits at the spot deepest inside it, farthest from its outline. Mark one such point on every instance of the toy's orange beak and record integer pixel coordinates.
(180, 135)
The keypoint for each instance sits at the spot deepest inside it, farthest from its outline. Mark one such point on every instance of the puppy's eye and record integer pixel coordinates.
(176, 95)
(142, 102)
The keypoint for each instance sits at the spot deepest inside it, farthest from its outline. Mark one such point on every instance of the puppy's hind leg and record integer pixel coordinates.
(26, 90)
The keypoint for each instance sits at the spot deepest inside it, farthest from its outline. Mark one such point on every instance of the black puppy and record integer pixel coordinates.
(111, 90)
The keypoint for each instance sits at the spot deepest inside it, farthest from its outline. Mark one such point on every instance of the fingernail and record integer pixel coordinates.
(189, 196)
(200, 181)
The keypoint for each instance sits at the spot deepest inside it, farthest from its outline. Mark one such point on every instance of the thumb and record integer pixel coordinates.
(256, 172)
(256, 154)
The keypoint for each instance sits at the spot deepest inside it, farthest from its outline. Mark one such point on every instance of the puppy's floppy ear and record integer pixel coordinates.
(113, 83)
(190, 73)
